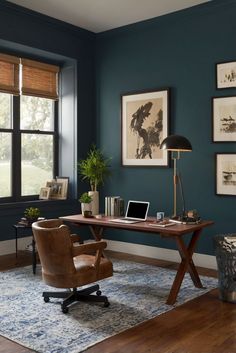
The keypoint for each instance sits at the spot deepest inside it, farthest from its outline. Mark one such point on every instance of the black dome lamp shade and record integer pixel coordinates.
(176, 143)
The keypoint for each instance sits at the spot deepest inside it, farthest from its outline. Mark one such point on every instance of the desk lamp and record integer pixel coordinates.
(176, 144)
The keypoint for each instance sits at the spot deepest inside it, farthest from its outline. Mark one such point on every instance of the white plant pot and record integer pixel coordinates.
(95, 202)
(86, 207)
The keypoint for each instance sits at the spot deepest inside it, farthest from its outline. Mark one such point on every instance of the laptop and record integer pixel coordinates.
(136, 211)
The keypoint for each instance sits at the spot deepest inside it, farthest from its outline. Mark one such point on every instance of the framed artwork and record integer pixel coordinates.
(226, 174)
(56, 190)
(65, 182)
(226, 74)
(145, 123)
(44, 193)
(224, 119)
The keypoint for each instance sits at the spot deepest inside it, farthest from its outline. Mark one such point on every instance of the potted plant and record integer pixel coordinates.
(31, 214)
(94, 169)
(86, 206)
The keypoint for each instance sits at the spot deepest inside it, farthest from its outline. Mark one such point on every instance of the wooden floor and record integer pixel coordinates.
(202, 325)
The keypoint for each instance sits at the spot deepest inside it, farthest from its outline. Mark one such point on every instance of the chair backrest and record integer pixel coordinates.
(54, 247)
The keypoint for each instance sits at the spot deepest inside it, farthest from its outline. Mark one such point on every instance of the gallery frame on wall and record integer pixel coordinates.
(224, 119)
(225, 174)
(144, 124)
(226, 74)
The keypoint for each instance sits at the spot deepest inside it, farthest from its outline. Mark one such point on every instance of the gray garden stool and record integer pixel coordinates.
(225, 245)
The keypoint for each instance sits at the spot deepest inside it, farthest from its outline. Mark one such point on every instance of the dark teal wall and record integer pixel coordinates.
(178, 51)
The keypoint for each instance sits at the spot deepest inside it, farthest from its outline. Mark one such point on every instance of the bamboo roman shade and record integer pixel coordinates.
(9, 74)
(34, 79)
(39, 79)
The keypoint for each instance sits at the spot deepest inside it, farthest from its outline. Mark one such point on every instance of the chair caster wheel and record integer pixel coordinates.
(106, 304)
(64, 309)
(98, 292)
(46, 299)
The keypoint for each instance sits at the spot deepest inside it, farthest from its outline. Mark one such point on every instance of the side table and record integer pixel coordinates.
(18, 228)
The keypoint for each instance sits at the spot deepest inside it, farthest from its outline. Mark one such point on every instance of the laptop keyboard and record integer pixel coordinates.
(125, 220)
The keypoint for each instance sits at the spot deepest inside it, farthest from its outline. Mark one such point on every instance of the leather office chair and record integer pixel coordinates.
(67, 265)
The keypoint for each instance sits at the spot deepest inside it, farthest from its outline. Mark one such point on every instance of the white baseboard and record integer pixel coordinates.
(9, 246)
(200, 260)
(207, 261)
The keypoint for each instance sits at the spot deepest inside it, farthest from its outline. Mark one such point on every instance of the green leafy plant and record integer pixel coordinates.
(32, 213)
(95, 168)
(85, 198)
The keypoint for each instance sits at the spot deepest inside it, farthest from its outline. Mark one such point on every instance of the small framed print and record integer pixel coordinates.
(145, 123)
(224, 119)
(226, 174)
(65, 182)
(56, 190)
(226, 74)
(44, 193)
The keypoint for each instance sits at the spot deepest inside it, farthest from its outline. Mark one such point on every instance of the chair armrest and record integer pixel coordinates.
(89, 248)
(96, 247)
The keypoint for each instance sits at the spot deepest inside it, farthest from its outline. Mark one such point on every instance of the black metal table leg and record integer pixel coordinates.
(16, 239)
(19, 228)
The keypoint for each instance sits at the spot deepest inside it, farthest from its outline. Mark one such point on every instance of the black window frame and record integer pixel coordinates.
(16, 151)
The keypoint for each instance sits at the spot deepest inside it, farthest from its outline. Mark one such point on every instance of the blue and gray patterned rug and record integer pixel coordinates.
(136, 293)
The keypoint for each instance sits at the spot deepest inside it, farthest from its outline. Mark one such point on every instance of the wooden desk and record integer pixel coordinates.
(175, 232)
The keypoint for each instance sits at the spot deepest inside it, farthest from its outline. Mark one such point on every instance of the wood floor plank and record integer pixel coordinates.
(7, 346)
(202, 325)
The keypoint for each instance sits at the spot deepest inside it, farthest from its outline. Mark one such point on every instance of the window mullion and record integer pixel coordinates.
(55, 141)
(16, 150)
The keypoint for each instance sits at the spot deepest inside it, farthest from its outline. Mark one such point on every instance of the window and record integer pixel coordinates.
(28, 136)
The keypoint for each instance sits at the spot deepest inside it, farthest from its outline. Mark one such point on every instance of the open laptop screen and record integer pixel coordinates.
(137, 209)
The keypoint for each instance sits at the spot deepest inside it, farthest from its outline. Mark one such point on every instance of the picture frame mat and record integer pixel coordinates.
(224, 119)
(130, 104)
(65, 181)
(226, 75)
(59, 190)
(44, 193)
(226, 174)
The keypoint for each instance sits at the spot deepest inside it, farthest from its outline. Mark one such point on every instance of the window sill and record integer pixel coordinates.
(37, 203)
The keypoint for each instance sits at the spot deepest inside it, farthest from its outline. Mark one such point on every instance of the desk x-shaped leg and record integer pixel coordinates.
(186, 253)
(97, 232)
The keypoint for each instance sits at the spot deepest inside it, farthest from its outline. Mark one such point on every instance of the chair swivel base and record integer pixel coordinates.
(77, 295)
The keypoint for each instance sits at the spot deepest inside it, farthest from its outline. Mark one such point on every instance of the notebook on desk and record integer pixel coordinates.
(136, 211)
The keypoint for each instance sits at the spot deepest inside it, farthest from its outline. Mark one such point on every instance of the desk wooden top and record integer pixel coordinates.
(104, 222)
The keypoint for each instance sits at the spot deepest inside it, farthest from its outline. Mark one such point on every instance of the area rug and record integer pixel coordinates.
(136, 292)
